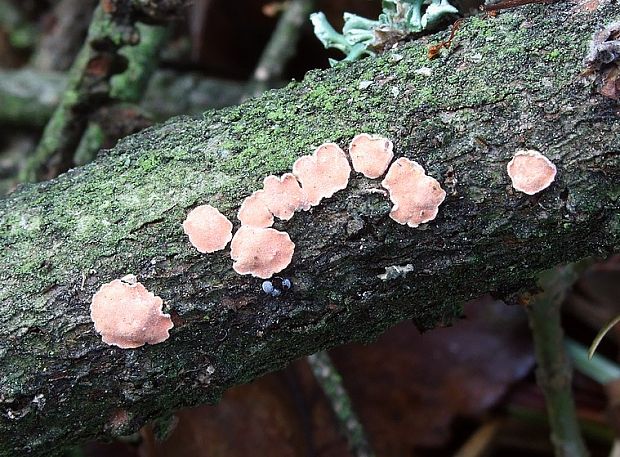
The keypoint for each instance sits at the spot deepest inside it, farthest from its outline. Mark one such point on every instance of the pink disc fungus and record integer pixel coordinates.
(371, 154)
(415, 195)
(208, 229)
(261, 252)
(129, 316)
(254, 213)
(283, 196)
(323, 173)
(530, 171)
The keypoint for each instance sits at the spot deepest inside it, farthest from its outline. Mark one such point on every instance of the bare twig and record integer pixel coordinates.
(58, 46)
(281, 47)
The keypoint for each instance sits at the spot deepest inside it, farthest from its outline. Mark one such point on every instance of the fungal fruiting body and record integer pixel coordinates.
(371, 154)
(129, 316)
(276, 286)
(415, 195)
(254, 213)
(208, 229)
(283, 196)
(323, 173)
(261, 252)
(530, 171)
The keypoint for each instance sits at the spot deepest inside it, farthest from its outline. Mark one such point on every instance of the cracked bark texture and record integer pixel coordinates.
(508, 82)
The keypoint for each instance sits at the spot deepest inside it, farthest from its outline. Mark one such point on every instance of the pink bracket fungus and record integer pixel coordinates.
(371, 154)
(530, 171)
(415, 195)
(129, 316)
(208, 229)
(261, 252)
(283, 196)
(323, 173)
(254, 212)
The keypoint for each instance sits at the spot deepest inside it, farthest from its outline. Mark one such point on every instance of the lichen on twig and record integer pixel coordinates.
(361, 36)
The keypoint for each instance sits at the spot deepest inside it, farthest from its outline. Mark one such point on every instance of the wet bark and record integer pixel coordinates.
(514, 81)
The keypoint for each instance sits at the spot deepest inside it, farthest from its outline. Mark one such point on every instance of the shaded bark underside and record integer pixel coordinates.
(508, 82)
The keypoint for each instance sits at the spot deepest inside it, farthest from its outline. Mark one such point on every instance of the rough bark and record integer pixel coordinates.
(508, 82)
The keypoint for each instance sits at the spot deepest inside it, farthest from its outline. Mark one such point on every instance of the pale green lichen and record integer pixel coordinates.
(361, 36)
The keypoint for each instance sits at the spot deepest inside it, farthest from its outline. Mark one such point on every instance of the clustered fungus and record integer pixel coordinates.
(371, 154)
(323, 173)
(415, 195)
(127, 315)
(283, 196)
(261, 252)
(254, 212)
(208, 229)
(530, 171)
(276, 286)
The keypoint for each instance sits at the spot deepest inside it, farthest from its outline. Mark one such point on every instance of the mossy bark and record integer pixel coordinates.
(508, 82)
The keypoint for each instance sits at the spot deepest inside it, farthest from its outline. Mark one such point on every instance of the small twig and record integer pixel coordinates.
(554, 372)
(281, 47)
(57, 47)
(328, 378)
(479, 442)
(507, 4)
(433, 51)
(601, 334)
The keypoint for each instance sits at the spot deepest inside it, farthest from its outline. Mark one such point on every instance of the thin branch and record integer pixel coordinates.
(554, 371)
(28, 98)
(326, 374)
(58, 47)
(280, 48)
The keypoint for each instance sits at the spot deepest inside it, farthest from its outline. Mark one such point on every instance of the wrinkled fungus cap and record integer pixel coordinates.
(416, 197)
(127, 315)
(530, 171)
(323, 173)
(371, 154)
(261, 252)
(254, 212)
(283, 196)
(208, 229)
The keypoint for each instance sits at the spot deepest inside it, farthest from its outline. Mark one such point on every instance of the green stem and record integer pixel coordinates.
(554, 372)
(330, 381)
(599, 368)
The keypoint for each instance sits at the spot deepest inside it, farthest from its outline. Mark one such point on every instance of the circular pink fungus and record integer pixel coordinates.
(129, 316)
(371, 154)
(283, 196)
(323, 173)
(208, 229)
(415, 195)
(261, 252)
(254, 212)
(530, 171)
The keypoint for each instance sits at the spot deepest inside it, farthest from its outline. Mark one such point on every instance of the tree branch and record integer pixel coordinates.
(112, 29)
(61, 240)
